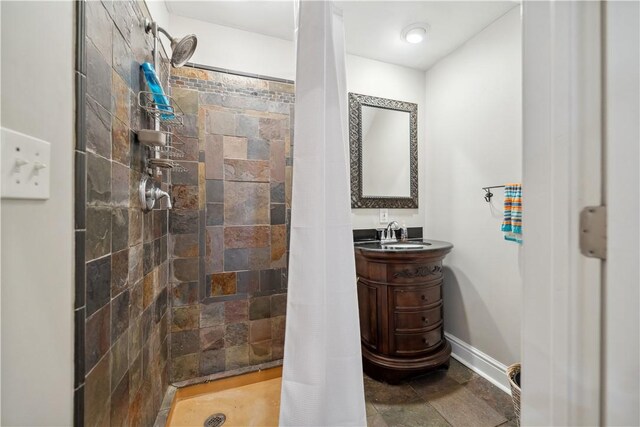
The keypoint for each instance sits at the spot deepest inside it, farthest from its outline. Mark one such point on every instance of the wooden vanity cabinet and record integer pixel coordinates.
(400, 307)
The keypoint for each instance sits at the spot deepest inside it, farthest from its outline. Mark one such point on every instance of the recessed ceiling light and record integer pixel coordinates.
(415, 33)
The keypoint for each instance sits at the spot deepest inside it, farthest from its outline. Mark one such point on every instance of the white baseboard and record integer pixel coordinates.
(479, 362)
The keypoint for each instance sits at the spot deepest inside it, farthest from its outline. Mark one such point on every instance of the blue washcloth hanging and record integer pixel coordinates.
(512, 224)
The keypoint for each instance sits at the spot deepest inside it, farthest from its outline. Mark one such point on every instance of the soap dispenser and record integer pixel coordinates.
(404, 233)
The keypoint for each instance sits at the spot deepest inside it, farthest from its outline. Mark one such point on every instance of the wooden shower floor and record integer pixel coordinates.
(246, 400)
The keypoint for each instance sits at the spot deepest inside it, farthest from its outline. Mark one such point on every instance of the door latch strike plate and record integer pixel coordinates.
(593, 232)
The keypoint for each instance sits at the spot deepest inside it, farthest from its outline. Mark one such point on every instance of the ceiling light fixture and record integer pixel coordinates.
(415, 33)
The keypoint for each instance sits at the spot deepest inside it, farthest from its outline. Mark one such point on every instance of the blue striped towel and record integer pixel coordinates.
(512, 224)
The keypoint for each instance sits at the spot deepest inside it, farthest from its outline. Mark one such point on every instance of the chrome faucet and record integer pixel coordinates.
(159, 194)
(387, 236)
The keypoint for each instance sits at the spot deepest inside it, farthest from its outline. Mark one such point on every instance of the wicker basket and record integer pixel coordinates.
(513, 371)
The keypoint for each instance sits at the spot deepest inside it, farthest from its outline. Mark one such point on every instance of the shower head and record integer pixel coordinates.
(182, 49)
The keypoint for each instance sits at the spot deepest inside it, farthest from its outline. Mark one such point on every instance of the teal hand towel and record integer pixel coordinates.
(512, 224)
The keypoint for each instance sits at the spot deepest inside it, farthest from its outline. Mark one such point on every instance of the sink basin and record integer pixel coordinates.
(406, 246)
(400, 247)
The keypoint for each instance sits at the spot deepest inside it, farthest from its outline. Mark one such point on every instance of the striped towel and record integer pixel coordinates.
(512, 224)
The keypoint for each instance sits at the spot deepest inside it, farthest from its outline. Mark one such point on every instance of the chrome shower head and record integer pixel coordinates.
(182, 49)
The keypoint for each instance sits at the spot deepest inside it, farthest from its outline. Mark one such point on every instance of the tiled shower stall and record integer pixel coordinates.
(173, 295)
(228, 228)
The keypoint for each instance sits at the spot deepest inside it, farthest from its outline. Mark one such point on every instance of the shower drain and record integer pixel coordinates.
(215, 420)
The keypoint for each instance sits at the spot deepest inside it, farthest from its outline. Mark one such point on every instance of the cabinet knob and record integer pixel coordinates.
(423, 297)
(425, 320)
(425, 341)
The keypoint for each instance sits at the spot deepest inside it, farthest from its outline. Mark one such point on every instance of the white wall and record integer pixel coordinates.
(474, 139)
(159, 12)
(238, 50)
(375, 78)
(37, 246)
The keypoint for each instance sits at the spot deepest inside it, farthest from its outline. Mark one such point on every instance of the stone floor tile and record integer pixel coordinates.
(413, 414)
(510, 423)
(376, 421)
(459, 372)
(383, 396)
(370, 409)
(460, 407)
(434, 383)
(496, 398)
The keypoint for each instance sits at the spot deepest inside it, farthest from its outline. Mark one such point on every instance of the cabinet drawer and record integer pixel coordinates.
(414, 321)
(415, 297)
(409, 344)
(414, 273)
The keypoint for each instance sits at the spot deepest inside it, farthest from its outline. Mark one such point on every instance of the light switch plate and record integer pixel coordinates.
(384, 216)
(25, 166)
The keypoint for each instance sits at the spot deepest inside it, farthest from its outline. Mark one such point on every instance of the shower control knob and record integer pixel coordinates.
(149, 194)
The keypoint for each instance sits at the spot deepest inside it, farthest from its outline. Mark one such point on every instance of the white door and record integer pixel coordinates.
(621, 296)
(580, 314)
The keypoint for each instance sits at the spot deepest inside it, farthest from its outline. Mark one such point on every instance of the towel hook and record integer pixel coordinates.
(488, 195)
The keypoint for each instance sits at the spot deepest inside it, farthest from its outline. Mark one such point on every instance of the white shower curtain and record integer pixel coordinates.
(322, 374)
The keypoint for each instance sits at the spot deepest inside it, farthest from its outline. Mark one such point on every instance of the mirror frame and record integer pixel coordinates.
(358, 200)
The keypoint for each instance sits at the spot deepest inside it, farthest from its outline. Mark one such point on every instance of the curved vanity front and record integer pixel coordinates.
(400, 305)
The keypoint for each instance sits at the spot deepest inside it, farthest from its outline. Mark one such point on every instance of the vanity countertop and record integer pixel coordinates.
(423, 245)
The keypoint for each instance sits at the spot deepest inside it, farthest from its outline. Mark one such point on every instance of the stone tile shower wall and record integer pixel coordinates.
(229, 226)
(122, 268)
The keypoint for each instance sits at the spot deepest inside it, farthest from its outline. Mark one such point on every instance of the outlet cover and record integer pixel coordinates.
(25, 166)
(384, 216)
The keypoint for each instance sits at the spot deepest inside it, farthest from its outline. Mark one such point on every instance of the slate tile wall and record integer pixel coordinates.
(228, 231)
(122, 268)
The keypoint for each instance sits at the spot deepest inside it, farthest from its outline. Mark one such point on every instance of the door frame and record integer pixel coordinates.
(562, 165)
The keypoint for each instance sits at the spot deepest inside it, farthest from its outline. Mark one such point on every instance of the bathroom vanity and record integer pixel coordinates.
(400, 305)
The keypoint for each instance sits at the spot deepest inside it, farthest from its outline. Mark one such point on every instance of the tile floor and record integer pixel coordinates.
(457, 397)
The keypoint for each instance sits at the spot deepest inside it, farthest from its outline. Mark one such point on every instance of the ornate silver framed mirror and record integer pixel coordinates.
(383, 136)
